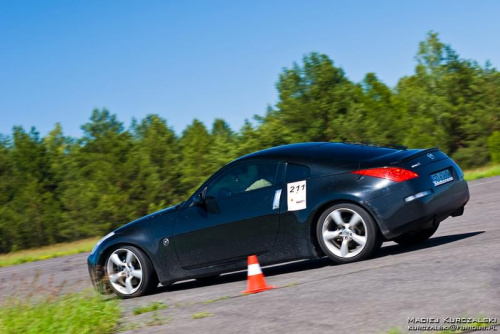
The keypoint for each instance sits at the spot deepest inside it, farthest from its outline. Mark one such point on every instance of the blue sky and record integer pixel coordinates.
(207, 59)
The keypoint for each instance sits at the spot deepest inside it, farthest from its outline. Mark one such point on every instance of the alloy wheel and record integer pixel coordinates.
(124, 271)
(344, 233)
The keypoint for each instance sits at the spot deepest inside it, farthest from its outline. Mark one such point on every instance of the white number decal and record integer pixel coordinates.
(296, 193)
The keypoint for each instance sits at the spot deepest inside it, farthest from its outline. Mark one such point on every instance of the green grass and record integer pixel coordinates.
(201, 315)
(291, 284)
(47, 252)
(210, 301)
(183, 304)
(84, 312)
(156, 320)
(480, 173)
(149, 308)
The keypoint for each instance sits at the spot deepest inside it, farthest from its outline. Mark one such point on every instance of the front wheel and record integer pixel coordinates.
(129, 272)
(416, 237)
(347, 233)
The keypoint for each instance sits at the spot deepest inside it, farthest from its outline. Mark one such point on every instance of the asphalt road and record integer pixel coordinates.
(455, 273)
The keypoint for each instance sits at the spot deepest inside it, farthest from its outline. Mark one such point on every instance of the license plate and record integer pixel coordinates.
(442, 177)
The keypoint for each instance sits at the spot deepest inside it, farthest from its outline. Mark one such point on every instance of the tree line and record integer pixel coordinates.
(58, 188)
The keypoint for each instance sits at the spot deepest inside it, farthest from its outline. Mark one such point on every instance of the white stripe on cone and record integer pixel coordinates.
(254, 269)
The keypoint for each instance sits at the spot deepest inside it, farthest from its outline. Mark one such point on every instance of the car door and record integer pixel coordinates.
(236, 219)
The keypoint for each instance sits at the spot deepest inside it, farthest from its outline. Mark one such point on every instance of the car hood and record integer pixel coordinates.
(145, 219)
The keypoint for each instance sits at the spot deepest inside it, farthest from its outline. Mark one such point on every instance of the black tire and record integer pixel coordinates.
(148, 281)
(415, 237)
(369, 231)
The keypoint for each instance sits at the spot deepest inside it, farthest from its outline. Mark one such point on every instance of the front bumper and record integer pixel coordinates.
(96, 273)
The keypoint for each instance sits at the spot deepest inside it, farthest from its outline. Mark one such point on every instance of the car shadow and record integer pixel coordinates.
(278, 269)
(303, 265)
(396, 249)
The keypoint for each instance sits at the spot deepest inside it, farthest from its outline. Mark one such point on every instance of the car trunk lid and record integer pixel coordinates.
(411, 159)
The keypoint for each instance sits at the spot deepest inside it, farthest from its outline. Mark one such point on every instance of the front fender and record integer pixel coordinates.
(148, 236)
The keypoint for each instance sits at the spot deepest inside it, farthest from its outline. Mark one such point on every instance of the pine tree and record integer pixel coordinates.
(195, 167)
(223, 146)
(95, 187)
(153, 165)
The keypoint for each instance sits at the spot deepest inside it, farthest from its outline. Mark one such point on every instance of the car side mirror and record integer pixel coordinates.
(201, 198)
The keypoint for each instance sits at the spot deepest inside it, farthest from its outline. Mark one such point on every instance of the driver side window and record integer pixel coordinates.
(242, 178)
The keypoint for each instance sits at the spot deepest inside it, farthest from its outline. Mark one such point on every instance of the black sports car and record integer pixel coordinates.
(285, 203)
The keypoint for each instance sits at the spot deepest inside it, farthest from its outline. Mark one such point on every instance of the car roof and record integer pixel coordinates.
(284, 152)
(341, 153)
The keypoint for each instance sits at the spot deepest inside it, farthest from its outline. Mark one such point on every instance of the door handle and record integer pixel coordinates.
(277, 198)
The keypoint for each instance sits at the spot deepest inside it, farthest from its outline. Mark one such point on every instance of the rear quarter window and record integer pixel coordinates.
(295, 172)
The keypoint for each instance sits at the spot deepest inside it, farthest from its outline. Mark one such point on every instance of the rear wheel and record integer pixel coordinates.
(129, 272)
(416, 237)
(347, 233)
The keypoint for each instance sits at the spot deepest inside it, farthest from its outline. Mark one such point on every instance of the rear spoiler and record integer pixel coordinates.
(417, 154)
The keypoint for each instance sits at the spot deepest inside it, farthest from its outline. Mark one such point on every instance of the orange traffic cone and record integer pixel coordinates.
(256, 281)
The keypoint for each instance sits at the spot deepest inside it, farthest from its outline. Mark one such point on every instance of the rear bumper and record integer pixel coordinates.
(396, 216)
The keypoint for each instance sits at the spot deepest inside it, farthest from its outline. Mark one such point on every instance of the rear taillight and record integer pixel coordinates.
(389, 173)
